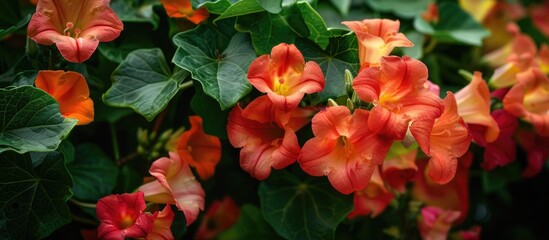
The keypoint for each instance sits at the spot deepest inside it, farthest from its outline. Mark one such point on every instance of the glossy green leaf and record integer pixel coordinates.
(318, 31)
(94, 173)
(199, 3)
(403, 9)
(30, 120)
(250, 225)
(144, 82)
(220, 63)
(217, 7)
(302, 208)
(454, 26)
(267, 30)
(17, 26)
(416, 51)
(33, 199)
(213, 118)
(272, 6)
(341, 54)
(23, 78)
(342, 6)
(136, 11)
(240, 8)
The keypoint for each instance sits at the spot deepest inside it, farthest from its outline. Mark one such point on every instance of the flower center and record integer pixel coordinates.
(69, 31)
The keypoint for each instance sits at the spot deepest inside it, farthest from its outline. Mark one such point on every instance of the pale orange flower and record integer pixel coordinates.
(70, 89)
(184, 9)
(162, 225)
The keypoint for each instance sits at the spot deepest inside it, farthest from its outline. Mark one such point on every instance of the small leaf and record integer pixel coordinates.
(341, 54)
(272, 6)
(218, 62)
(33, 199)
(144, 82)
(454, 26)
(136, 11)
(30, 120)
(250, 225)
(318, 31)
(17, 26)
(306, 208)
(94, 174)
(403, 9)
(240, 8)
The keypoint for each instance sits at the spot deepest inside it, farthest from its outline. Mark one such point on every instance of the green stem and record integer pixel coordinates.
(82, 204)
(432, 44)
(186, 85)
(114, 139)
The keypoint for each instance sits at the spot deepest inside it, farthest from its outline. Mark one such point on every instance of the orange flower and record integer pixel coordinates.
(344, 148)
(74, 31)
(435, 223)
(175, 184)
(397, 89)
(373, 199)
(540, 18)
(70, 89)
(529, 100)
(399, 166)
(377, 38)
(200, 150)
(221, 215)
(122, 216)
(285, 76)
(184, 9)
(431, 14)
(450, 139)
(266, 136)
(162, 225)
(473, 102)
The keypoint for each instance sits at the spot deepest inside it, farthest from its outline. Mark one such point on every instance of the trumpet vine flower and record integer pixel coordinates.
(75, 27)
(377, 38)
(71, 91)
(184, 9)
(285, 76)
(162, 225)
(200, 150)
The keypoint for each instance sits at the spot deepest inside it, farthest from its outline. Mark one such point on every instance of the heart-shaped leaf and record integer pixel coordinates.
(136, 11)
(30, 120)
(240, 8)
(302, 208)
(33, 199)
(144, 82)
(318, 31)
(218, 62)
(250, 225)
(267, 30)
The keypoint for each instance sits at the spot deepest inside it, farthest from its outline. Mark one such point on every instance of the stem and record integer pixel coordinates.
(186, 85)
(432, 44)
(114, 140)
(83, 220)
(82, 204)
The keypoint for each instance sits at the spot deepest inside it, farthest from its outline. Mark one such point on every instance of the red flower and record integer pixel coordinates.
(537, 149)
(122, 217)
(221, 215)
(285, 76)
(184, 9)
(70, 89)
(435, 223)
(198, 149)
(503, 150)
(75, 32)
(344, 148)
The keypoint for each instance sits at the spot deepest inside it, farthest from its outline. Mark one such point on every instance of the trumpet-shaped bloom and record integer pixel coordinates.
(401, 100)
(184, 9)
(162, 225)
(473, 102)
(221, 215)
(529, 100)
(122, 216)
(175, 184)
(435, 223)
(537, 149)
(344, 148)
(70, 89)
(266, 136)
(373, 199)
(200, 150)
(450, 139)
(503, 150)
(285, 76)
(399, 166)
(377, 38)
(75, 27)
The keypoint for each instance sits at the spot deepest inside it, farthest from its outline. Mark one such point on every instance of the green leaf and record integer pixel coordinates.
(272, 6)
(136, 11)
(308, 208)
(217, 7)
(341, 54)
(342, 6)
(17, 26)
(144, 82)
(218, 62)
(454, 26)
(267, 30)
(199, 3)
(27, 77)
(416, 51)
(214, 119)
(94, 173)
(33, 199)
(250, 225)
(403, 9)
(318, 31)
(240, 8)
(30, 120)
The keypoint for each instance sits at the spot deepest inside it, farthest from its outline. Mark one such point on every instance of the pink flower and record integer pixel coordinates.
(435, 223)
(122, 216)
(285, 76)
(75, 27)
(175, 184)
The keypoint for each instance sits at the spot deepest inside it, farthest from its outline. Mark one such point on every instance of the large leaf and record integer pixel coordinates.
(403, 9)
(33, 199)
(144, 82)
(136, 11)
(267, 30)
(250, 225)
(454, 26)
(218, 62)
(318, 31)
(94, 173)
(272, 6)
(302, 208)
(240, 8)
(341, 54)
(30, 120)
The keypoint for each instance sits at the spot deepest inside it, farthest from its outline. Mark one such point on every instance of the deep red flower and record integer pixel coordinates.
(221, 215)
